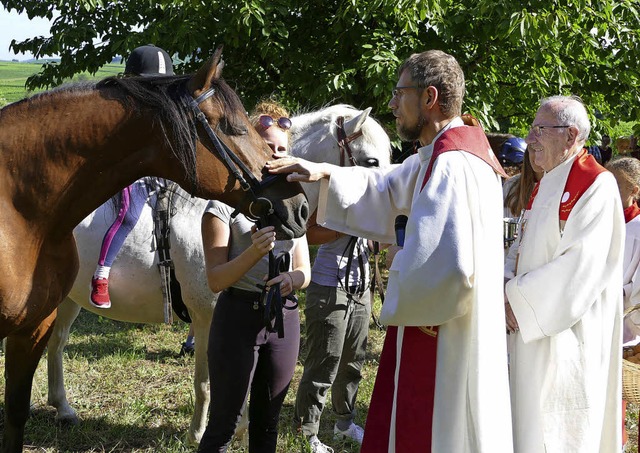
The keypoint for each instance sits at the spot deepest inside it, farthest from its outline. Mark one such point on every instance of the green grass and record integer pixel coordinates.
(133, 394)
(14, 75)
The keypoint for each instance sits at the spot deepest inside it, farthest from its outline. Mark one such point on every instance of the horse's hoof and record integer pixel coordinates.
(193, 440)
(67, 422)
(187, 350)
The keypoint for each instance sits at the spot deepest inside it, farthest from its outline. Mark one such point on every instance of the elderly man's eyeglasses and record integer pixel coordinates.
(397, 91)
(267, 121)
(537, 130)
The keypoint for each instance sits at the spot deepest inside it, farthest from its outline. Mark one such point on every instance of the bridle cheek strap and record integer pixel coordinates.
(258, 206)
(344, 140)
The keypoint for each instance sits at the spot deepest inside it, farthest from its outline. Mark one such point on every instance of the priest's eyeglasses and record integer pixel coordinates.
(537, 129)
(397, 91)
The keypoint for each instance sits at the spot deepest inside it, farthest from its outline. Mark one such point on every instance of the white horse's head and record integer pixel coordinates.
(316, 136)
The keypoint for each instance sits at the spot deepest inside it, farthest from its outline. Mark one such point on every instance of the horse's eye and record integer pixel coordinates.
(371, 162)
(229, 128)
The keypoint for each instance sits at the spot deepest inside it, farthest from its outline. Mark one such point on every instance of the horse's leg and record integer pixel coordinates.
(67, 313)
(201, 324)
(23, 353)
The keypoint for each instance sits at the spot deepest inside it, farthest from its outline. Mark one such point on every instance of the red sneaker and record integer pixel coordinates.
(100, 293)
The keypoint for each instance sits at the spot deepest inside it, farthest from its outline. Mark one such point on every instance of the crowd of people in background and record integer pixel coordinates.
(449, 379)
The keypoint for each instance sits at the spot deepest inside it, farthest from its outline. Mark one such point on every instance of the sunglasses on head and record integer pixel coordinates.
(267, 121)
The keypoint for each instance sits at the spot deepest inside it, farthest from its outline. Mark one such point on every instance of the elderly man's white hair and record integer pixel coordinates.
(570, 111)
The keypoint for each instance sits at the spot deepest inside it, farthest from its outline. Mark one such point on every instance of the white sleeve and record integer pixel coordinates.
(364, 202)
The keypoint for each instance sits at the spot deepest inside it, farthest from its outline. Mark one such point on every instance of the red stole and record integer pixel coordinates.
(584, 170)
(417, 366)
(631, 212)
(470, 139)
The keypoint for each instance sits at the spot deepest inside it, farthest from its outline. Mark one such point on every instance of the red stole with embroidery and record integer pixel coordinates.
(584, 170)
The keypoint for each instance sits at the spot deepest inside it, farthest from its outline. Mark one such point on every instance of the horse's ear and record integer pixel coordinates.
(355, 124)
(211, 70)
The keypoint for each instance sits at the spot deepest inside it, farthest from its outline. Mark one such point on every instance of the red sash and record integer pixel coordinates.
(631, 212)
(415, 396)
(470, 139)
(584, 170)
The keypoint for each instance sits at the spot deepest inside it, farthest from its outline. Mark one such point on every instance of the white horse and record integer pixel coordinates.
(134, 283)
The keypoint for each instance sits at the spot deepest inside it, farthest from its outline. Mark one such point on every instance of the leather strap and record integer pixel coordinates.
(272, 300)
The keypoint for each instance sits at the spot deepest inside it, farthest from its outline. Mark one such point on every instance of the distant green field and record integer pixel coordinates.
(14, 75)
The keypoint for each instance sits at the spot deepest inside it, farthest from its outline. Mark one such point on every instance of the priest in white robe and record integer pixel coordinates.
(442, 384)
(564, 302)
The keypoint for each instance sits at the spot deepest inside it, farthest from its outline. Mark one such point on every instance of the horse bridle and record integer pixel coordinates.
(259, 207)
(344, 140)
(345, 149)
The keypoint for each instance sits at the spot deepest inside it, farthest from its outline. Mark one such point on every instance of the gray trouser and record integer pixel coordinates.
(336, 340)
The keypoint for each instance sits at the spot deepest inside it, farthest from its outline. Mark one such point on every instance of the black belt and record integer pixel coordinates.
(243, 294)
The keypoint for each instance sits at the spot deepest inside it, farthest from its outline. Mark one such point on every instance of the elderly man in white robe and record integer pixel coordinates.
(564, 302)
(442, 383)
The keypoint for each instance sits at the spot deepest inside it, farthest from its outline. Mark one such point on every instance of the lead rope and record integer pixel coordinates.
(376, 281)
(271, 300)
(359, 291)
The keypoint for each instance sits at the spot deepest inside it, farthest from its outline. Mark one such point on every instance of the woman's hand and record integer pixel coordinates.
(285, 280)
(263, 239)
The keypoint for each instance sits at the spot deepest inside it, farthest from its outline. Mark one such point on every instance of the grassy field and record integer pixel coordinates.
(13, 76)
(134, 394)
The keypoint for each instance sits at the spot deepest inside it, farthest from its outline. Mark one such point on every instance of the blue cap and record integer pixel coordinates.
(512, 151)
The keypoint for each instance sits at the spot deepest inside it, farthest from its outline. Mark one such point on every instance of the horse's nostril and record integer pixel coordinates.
(304, 211)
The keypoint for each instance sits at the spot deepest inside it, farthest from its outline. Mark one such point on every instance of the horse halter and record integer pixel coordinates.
(344, 140)
(259, 207)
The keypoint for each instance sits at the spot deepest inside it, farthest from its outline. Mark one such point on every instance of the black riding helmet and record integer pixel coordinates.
(149, 61)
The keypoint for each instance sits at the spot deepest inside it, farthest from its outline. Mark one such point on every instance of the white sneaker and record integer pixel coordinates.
(317, 446)
(354, 432)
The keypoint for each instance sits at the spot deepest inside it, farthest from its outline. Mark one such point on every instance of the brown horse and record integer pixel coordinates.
(66, 151)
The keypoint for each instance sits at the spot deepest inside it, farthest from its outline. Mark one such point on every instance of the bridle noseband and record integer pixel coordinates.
(259, 207)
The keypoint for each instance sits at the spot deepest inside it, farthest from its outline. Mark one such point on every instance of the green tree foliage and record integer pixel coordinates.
(314, 53)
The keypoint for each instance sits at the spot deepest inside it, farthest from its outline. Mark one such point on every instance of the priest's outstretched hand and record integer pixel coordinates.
(300, 170)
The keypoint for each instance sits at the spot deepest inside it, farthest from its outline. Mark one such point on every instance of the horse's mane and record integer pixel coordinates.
(164, 98)
(167, 99)
(305, 119)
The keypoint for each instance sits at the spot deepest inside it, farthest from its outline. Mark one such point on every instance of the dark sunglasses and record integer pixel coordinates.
(266, 121)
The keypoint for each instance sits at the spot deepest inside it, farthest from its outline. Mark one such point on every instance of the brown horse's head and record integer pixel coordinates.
(216, 153)
(283, 203)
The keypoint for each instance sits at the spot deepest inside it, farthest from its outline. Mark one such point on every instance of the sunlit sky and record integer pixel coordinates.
(19, 27)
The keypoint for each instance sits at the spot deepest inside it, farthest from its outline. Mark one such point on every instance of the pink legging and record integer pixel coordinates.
(132, 200)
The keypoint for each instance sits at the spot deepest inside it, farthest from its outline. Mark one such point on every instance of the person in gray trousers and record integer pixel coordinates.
(337, 324)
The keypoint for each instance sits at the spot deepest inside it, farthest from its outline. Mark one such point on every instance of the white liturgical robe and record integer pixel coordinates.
(631, 281)
(449, 274)
(565, 360)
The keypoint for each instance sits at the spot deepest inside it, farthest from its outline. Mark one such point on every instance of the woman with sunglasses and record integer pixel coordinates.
(244, 356)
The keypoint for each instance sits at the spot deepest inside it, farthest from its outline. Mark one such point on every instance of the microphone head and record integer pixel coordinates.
(400, 224)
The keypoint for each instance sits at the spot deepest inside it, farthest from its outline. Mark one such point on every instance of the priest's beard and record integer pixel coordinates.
(411, 133)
